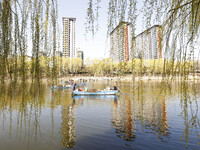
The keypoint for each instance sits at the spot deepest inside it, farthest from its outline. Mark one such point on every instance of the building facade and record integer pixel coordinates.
(125, 47)
(147, 45)
(120, 42)
(69, 37)
(80, 54)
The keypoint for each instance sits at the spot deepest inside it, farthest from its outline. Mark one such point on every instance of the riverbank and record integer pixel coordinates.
(124, 78)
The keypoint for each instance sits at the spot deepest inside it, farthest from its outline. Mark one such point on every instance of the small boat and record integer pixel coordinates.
(61, 87)
(95, 93)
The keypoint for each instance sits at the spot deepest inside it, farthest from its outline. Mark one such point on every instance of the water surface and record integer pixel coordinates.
(144, 115)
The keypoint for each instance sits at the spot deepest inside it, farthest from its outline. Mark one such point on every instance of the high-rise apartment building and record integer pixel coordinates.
(120, 40)
(69, 37)
(80, 54)
(147, 45)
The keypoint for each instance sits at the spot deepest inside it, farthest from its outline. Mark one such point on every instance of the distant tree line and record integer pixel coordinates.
(139, 67)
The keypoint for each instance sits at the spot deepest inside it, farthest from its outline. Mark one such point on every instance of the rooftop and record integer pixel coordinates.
(120, 24)
(148, 29)
(70, 18)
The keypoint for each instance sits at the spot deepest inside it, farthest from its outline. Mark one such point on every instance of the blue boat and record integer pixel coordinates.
(102, 97)
(95, 93)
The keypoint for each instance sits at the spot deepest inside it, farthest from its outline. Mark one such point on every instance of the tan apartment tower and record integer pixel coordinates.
(148, 44)
(69, 36)
(120, 40)
(80, 54)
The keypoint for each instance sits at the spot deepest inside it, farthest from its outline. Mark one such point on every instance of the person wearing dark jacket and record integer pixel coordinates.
(115, 87)
(74, 86)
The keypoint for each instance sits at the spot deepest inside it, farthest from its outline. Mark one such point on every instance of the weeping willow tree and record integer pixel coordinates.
(28, 30)
(180, 22)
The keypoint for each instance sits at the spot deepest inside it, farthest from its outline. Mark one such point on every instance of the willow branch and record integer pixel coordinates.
(180, 6)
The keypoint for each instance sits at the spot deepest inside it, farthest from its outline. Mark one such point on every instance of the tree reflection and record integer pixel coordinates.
(20, 101)
(144, 107)
(68, 126)
(25, 105)
(139, 106)
(154, 116)
(190, 111)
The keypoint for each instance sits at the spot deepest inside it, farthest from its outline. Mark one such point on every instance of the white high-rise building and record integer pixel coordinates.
(69, 37)
(148, 44)
(120, 42)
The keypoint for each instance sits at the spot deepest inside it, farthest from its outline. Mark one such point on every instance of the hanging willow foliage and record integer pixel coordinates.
(27, 27)
(180, 22)
(6, 29)
(92, 16)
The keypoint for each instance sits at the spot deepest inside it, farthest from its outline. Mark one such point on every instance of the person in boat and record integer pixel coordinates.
(72, 82)
(115, 86)
(74, 86)
(86, 89)
(80, 89)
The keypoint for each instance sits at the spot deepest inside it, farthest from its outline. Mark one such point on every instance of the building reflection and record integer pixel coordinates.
(24, 113)
(122, 120)
(146, 112)
(130, 125)
(68, 126)
(155, 117)
(67, 129)
(164, 121)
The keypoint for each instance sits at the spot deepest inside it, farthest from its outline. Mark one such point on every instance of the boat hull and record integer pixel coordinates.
(95, 93)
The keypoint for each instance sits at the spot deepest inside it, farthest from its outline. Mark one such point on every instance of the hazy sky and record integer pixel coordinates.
(97, 47)
(92, 47)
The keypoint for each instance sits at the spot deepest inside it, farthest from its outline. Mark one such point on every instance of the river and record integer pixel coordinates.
(144, 115)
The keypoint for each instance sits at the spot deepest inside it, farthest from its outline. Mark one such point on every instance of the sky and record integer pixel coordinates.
(97, 46)
(93, 47)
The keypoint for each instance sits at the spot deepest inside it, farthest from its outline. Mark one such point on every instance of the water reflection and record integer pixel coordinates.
(68, 126)
(79, 99)
(122, 120)
(23, 107)
(67, 129)
(143, 111)
(190, 111)
(144, 106)
(24, 114)
(99, 97)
